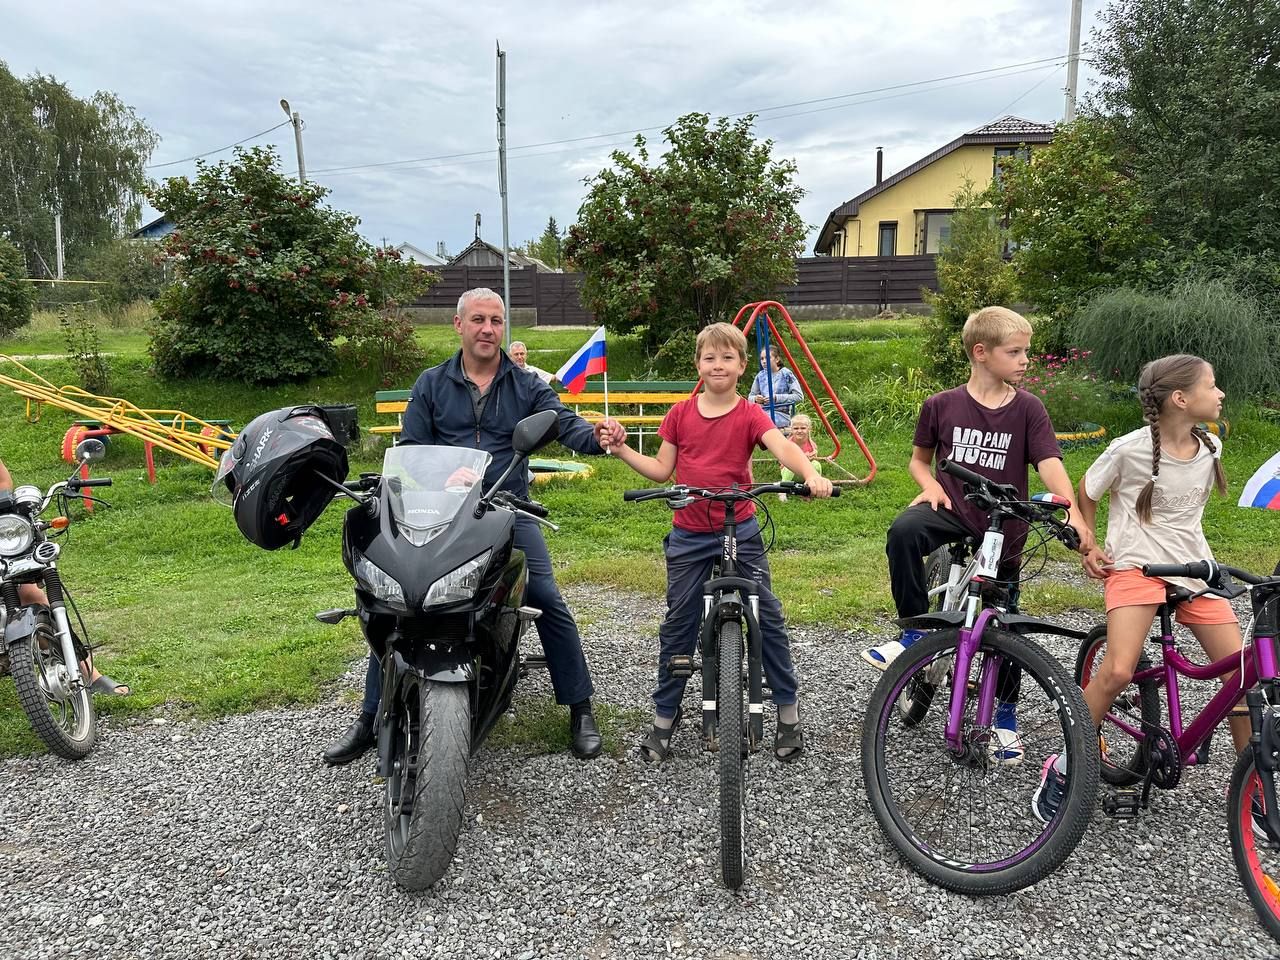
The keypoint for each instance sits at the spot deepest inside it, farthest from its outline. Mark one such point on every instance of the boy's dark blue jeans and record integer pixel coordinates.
(690, 557)
(558, 631)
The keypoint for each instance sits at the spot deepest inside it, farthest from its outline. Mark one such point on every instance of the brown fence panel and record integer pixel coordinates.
(556, 297)
(819, 281)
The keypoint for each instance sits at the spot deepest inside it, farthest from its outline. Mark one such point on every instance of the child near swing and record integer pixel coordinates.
(802, 437)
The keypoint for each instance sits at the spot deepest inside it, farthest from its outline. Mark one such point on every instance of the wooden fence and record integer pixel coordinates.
(836, 281)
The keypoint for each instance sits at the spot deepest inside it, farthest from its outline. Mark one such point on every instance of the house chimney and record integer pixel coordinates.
(879, 165)
(440, 251)
(477, 226)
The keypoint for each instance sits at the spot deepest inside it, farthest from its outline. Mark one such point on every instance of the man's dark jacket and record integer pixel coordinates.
(440, 412)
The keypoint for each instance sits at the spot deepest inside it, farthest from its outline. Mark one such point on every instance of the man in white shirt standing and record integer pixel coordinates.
(519, 355)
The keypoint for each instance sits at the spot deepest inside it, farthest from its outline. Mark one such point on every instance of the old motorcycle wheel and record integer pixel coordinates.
(61, 714)
(427, 781)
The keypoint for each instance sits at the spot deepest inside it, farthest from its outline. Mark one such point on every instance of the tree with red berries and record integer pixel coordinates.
(670, 246)
(269, 277)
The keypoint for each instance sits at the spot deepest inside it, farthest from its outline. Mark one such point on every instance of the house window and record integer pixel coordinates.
(1022, 153)
(937, 230)
(888, 239)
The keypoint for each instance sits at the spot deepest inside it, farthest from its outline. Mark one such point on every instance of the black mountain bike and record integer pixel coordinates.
(731, 615)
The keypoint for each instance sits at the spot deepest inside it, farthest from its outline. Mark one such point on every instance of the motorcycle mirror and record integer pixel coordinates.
(91, 449)
(334, 616)
(535, 431)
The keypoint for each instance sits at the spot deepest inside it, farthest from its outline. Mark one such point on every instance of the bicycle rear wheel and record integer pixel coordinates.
(1257, 863)
(732, 756)
(1138, 706)
(963, 819)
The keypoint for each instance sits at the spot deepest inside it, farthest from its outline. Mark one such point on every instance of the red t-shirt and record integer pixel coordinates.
(713, 452)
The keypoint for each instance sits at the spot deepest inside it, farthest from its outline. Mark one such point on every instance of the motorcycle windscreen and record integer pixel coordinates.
(427, 486)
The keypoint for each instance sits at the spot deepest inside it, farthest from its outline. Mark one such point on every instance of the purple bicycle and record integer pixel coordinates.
(953, 793)
(1142, 753)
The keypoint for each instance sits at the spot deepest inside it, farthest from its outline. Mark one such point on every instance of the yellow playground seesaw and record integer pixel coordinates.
(201, 441)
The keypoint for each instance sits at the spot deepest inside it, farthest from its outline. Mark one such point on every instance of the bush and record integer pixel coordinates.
(972, 273)
(17, 295)
(384, 340)
(85, 347)
(268, 277)
(1125, 328)
(886, 398)
(131, 269)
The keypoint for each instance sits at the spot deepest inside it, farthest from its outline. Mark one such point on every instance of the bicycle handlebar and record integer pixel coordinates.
(724, 496)
(1210, 571)
(91, 482)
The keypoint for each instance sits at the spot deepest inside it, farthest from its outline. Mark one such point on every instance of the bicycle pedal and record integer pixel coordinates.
(683, 667)
(1122, 803)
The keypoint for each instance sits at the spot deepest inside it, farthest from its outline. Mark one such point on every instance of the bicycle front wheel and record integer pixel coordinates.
(962, 817)
(732, 756)
(1257, 860)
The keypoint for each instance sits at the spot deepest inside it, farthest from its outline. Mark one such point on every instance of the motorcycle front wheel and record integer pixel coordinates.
(427, 780)
(61, 714)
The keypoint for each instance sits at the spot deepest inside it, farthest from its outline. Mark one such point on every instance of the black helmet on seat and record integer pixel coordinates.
(279, 475)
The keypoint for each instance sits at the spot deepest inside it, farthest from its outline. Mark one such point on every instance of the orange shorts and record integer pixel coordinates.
(1129, 588)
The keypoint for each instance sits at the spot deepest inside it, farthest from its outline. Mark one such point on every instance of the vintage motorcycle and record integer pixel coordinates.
(43, 651)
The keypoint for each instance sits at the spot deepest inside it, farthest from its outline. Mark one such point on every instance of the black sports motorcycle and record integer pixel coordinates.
(439, 594)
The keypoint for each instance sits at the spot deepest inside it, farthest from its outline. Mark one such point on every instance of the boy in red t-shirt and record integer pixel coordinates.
(707, 441)
(991, 427)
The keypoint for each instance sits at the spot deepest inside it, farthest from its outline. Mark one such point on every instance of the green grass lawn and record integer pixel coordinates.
(191, 615)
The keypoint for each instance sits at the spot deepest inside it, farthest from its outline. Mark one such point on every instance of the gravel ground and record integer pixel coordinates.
(231, 838)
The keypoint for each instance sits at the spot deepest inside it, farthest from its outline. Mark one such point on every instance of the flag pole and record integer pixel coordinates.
(606, 387)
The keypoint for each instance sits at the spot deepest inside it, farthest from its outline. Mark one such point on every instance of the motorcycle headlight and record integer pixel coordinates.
(376, 580)
(459, 584)
(16, 535)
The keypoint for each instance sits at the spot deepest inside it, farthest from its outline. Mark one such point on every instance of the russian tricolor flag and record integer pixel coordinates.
(589, 360)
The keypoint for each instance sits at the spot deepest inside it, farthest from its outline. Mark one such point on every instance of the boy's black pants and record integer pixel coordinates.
(914, 534)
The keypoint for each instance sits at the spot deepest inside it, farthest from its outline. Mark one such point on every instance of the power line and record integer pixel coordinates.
(209, 153)
(487, 155)
(781, 106)
(1031, 89)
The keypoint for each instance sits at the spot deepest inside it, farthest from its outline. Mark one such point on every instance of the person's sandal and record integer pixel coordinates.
(789, 738)
(656, 745)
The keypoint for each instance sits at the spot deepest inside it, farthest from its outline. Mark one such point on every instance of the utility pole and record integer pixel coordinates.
(57, 239)
(297, 138)
(1073, 62)
(502, 189)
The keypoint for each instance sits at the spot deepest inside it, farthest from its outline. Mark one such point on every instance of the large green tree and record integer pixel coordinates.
(269, 277)
(1077, 218)
(17, 295)
(672, 244)
(82, 157)
(1192, 90)
(549, 247)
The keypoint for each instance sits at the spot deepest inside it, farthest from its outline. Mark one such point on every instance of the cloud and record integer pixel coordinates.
(393, 80)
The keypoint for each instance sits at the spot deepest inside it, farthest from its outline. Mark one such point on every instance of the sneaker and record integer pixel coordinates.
(880, 657)
(1005, 746)
(1048, 796)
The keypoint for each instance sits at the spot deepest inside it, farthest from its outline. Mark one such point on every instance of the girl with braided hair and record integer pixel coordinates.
(1159, 478)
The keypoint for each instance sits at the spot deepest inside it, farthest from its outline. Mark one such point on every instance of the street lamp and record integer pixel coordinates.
(297, 137)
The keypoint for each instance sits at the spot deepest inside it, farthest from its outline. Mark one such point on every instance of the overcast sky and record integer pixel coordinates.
(393, 81)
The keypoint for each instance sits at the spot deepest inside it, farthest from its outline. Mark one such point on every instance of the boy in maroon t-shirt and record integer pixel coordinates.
(707, 441)
(995, 429)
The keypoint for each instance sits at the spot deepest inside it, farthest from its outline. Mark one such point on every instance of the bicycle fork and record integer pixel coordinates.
(722, 603)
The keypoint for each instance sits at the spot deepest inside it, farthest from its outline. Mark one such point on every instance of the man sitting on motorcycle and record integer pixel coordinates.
(474, 399)
(29, 595)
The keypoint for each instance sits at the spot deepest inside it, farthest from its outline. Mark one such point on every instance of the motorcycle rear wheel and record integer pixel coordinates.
(426, 786)
(62, 716)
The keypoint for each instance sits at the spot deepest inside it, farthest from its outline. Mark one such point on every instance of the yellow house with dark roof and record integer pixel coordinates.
(910, 211)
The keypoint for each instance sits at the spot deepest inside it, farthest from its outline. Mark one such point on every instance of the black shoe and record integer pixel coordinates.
(585, 734)
(352, 744)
